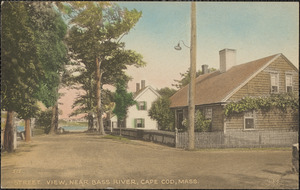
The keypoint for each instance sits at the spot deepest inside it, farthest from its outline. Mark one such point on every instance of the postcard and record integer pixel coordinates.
(149, 95)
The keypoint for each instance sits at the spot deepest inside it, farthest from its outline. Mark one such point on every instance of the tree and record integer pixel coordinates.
(160, 110)
(185, 78)
(123, 100)
(21, 68)
(95, 40)
(49, 31)
(166, 92)
(28, 64)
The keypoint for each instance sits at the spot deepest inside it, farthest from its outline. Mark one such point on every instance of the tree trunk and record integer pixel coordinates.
(121, 123)
(52, 129)
(9, 132)
(98, 98)
(89, 122)
(27, 130)
(56, 117)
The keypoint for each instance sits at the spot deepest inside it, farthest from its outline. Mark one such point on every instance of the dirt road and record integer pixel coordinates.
(90, 161)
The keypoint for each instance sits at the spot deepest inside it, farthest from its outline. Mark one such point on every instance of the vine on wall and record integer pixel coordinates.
(265, 104)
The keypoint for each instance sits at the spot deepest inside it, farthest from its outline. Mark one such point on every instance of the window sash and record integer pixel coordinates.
(142, 105)
(208, 113)
(289, 83)
(249, 122)
(274, 82)
(139, 123)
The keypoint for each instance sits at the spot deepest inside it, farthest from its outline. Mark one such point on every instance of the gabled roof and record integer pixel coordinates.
(139, 93)
(217, 87)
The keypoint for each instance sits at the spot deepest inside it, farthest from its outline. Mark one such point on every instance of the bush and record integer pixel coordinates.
(43, 120)
(201, 124)
(161, 112)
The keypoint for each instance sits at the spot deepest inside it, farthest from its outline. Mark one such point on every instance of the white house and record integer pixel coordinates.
(137, 115)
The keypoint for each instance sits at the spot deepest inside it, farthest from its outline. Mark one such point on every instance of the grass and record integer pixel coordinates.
(38, 131)
(116, 138)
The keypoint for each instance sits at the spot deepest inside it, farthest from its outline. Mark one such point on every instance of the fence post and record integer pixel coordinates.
(176, 137)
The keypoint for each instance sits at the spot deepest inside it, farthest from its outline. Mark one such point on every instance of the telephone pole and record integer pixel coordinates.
(192, 86)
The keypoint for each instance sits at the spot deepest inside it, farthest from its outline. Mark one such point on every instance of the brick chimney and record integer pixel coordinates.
(227, 59)
(137, 87)
(204, 69)
(143, 82)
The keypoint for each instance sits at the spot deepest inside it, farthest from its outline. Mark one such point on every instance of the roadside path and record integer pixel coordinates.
(90, 161)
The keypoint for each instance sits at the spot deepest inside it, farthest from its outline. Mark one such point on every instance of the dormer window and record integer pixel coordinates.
(142, 105)
(274, 82)
(289, 83)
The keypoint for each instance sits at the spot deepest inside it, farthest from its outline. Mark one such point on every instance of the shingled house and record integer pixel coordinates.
(262, 77)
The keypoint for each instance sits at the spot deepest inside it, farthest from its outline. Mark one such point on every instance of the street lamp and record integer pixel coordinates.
(178, 47)
(192, 86)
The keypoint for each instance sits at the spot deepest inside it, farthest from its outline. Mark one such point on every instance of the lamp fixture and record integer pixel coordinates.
(178, 47)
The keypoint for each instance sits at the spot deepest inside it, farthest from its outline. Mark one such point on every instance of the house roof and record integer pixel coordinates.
(139, 93)
(217, 87)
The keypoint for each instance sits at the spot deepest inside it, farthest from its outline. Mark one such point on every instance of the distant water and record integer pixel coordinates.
(66, 128)
(75, 128)
(20, 128)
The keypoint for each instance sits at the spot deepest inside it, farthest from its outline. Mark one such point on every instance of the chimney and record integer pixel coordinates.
(204, 69)
(227, 59)
(137, 87)
(143, 82)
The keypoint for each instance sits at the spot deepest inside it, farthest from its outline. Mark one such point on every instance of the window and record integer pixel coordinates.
(274, 83)
(114, 124)
(139, 123)
(142, 105)
(289, 82)
(179, 119)
(208, 113)
(249, 120)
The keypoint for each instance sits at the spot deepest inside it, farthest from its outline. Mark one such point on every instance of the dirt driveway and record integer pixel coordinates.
(90, 161)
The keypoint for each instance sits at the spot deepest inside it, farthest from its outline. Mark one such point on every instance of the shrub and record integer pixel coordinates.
(201, 124)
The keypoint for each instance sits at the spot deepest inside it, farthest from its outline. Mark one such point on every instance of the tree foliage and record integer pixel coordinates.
(166, 92)
(43, 120)
(32, 55)
(21, 68)
(123, 100)
(186, 78)
(160, 110)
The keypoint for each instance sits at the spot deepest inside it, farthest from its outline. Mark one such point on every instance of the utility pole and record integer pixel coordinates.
(192, 86)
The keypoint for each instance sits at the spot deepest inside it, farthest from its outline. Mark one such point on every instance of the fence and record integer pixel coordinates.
(240, 139)
(161, 137)
(232, 139)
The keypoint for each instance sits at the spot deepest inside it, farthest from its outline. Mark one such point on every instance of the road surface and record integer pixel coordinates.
(91, 161)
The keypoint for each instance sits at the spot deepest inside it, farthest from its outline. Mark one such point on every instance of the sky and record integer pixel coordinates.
(254, 29)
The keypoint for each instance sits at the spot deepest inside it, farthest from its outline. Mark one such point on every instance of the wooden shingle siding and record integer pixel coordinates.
(235, 122)
(275, 119)
(218, 118)
(272, 120)
(217, 123)
(260, 85)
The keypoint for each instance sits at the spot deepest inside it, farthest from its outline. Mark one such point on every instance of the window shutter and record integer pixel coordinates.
(137, 106)
(143, 123)
(134, 123)
(145, 105)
